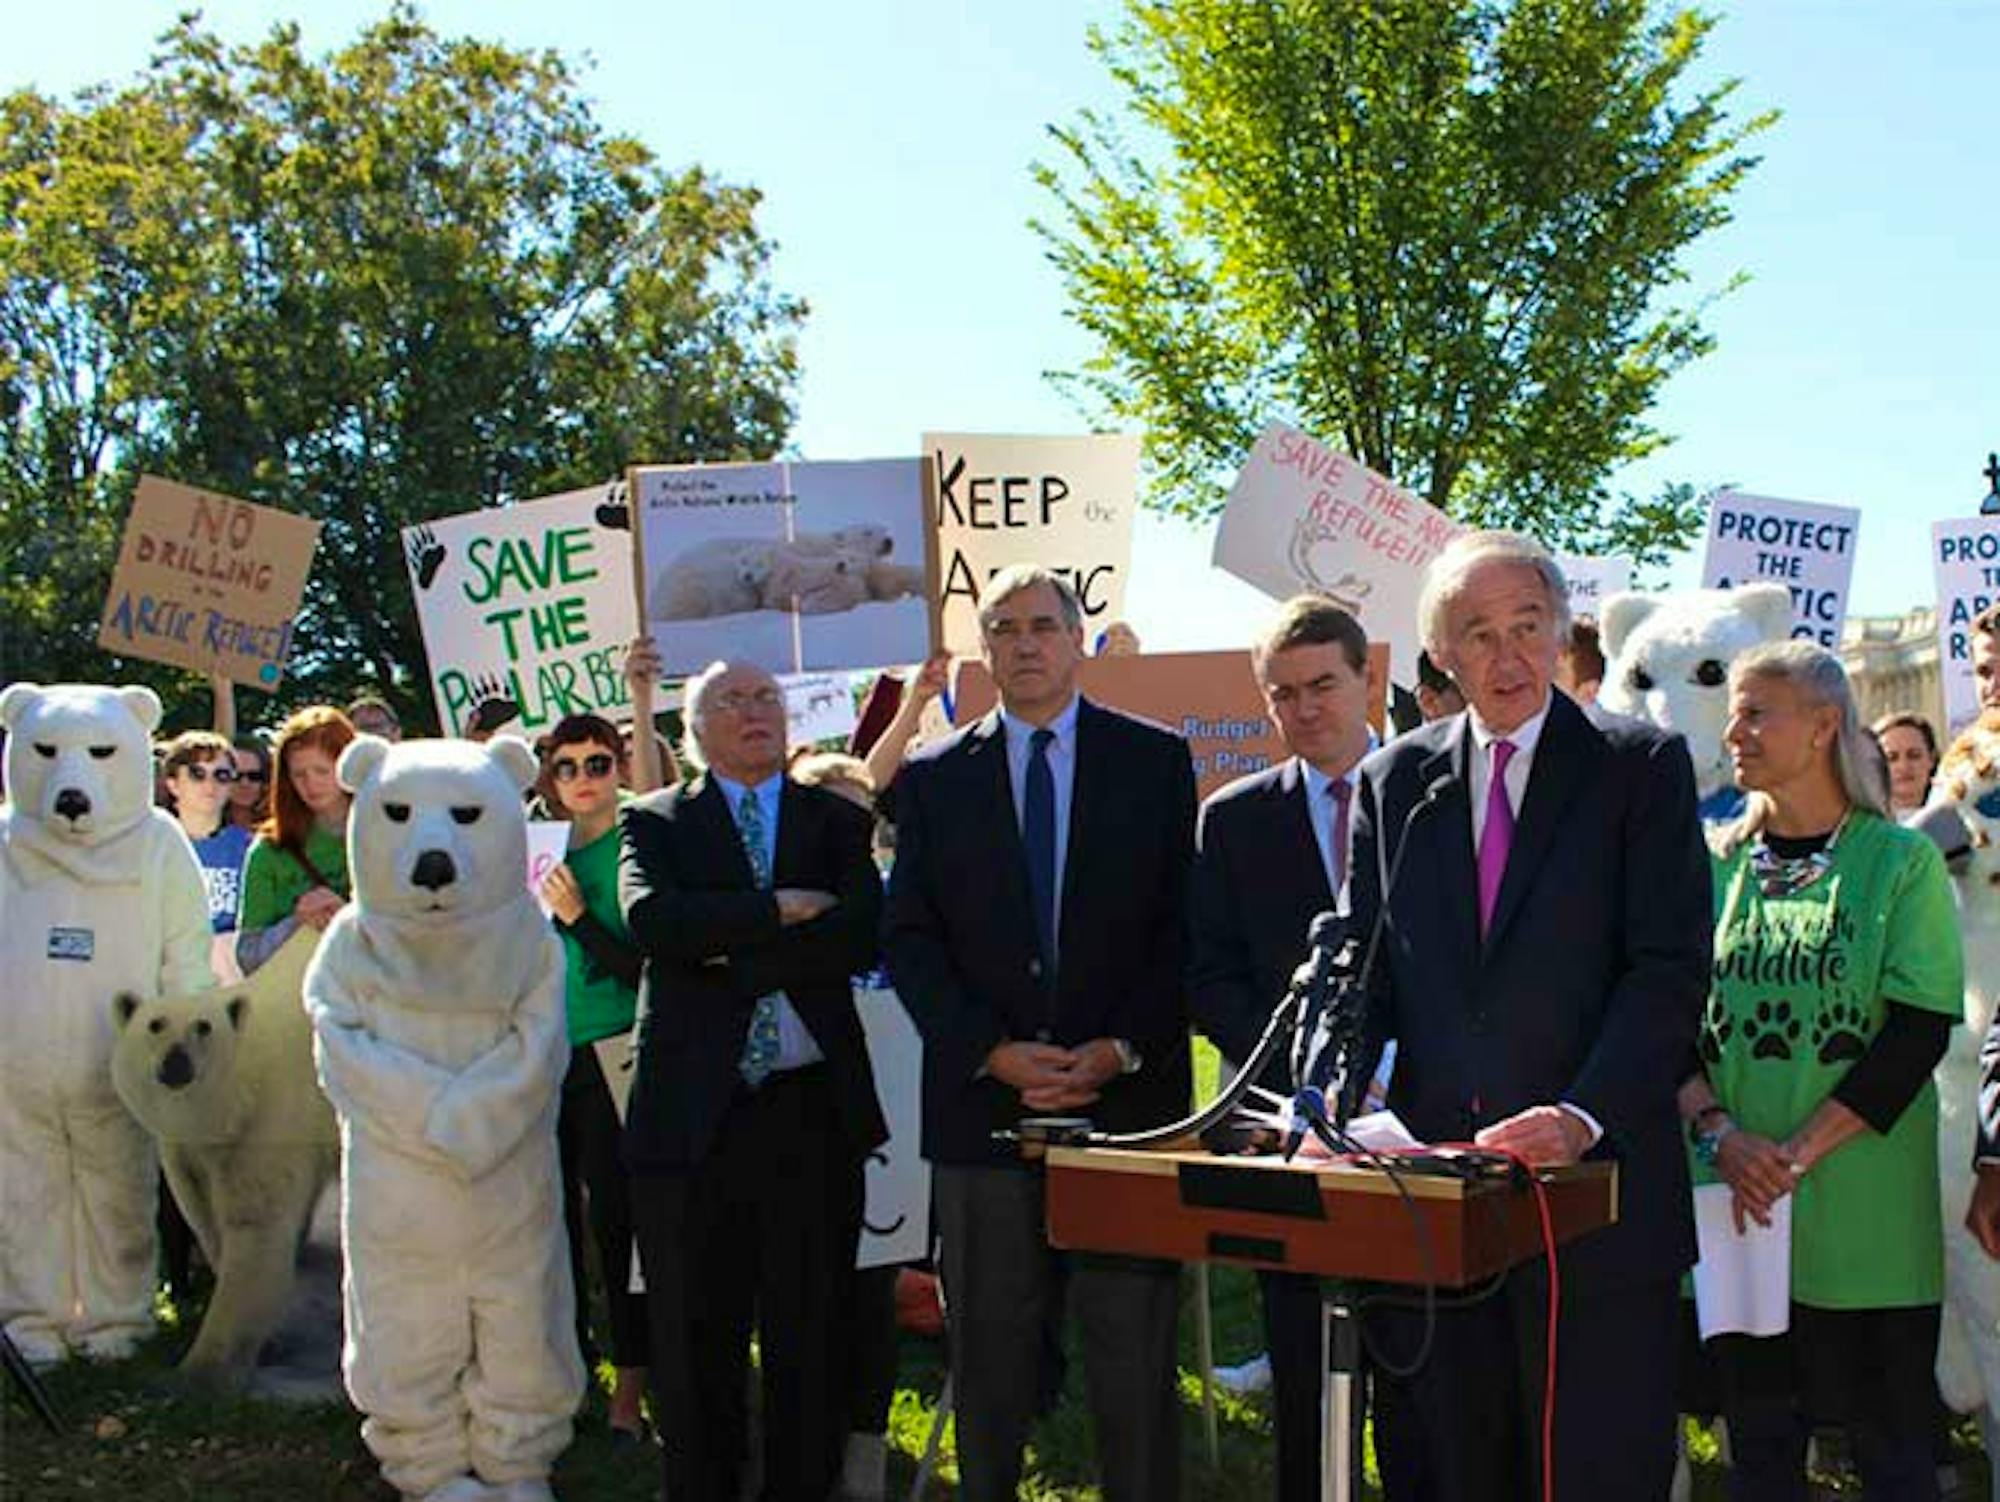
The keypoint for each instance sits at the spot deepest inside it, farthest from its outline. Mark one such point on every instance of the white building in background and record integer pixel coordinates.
(1892, 661)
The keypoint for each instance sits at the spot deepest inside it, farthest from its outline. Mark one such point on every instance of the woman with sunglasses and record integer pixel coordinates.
(296, 873)
(200, 775)
(249, 800)
(582, 760)
(1837, 979)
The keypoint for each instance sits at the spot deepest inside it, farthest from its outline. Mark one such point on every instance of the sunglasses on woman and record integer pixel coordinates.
(568, 769)
(257, 774)
(198, 773)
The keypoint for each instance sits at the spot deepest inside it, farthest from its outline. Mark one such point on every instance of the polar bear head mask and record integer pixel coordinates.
(438, 832)
(79, 757)
(1667, 660)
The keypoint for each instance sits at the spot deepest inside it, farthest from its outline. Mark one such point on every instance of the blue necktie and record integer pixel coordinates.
(1038, 837)
(760, 1043)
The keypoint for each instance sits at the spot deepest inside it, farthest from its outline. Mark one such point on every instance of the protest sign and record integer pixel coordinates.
(1592, 581)
(207, 582)
(1966, 557)
(818, 707)
(895, 1218)
(795, 567)
(1066, 503)
(1754, 539)
(548, 843)
(1302, 518)
(1211, 699)
(531, 603)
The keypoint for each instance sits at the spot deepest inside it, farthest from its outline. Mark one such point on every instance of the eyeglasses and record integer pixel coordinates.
(738, 699)
(199, 773)
(568, 769)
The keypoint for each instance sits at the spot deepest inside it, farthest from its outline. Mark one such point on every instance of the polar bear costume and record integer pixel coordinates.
(436, 1000)
(223, 1080)
(99, 892)
(1968, 1366)
(1667, 657)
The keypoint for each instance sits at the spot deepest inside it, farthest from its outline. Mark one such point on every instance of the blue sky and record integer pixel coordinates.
(1861, 365)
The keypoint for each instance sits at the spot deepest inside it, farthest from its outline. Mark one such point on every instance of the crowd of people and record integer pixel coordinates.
(1572, 968)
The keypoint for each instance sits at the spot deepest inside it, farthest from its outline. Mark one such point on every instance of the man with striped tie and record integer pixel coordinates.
(753, 898)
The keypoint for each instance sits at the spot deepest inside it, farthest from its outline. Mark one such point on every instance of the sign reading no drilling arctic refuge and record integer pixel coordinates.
(1754, 539)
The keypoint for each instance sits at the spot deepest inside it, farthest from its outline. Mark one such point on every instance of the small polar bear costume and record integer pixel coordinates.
(436, 1000)
(1667, 660)
(99, 893)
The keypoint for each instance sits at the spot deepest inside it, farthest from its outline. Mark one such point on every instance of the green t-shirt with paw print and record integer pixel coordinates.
(1798, 993)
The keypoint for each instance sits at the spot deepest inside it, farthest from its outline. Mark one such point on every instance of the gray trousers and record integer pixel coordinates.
(1003, 1286)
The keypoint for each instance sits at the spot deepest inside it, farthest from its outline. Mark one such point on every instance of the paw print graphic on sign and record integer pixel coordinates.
(426, 555)
(1840, 1032)
(1772, 1030)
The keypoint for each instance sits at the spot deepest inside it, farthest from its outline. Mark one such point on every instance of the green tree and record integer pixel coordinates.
(376, 287)
(1439, 233)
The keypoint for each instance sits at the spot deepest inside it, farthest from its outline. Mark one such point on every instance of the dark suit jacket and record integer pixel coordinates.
(1258, 884)
(713, 945)
(961, 934)
(1588, 987)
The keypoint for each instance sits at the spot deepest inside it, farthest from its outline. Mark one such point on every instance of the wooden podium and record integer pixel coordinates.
(1343, 1221)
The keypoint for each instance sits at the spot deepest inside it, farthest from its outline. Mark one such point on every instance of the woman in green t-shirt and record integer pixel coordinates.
(296, 872)
(582, 759)
(1837, 979)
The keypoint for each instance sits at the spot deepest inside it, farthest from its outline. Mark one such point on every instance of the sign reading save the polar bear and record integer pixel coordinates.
(1304, 518)
(531, 603)
(796, 567)
(1808, 548)
(208, 582)
(1966, 556)
(1066, 503)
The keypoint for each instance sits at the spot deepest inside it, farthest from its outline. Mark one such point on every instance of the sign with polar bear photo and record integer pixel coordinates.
(1966, 557)
(208, 582)
(1809, 548)
(799, 568)
(1304, 518)
(1065, 502)
(530, 603)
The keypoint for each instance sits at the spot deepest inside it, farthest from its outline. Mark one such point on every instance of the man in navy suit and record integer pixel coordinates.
(1273, 850)
(1035, 934)
(1543, 969)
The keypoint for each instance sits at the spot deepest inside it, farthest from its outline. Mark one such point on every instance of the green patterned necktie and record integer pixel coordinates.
(760, 1044)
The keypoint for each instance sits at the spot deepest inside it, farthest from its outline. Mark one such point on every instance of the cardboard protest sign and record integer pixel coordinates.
(1592, 581)
(1066, 503)
(795, 567)
(818, 707)
(548, 843)
(1754, 539)
(208, 582)
(531, 603)
(1966, 556)
(1211, 699)
(895, 1218)
(1304, 518)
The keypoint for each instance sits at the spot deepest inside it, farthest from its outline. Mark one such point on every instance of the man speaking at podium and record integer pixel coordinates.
(1543, 967)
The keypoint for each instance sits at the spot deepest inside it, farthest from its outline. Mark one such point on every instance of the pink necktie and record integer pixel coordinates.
(1498, 837)
(1341, 793)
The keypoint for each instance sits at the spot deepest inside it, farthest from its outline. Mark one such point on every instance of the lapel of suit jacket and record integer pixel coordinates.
(1092, 768)
(709, 806)
(986, 754)
(1560, 758)
(1456, 900)
(1297, 841)
(794, 821)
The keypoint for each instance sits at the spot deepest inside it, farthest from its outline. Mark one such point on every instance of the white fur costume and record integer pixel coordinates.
(1969, 1346)
(437, 1009)
(99, 893)
(1667, 660)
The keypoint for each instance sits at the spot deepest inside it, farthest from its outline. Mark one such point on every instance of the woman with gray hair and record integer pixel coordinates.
(1837, 979)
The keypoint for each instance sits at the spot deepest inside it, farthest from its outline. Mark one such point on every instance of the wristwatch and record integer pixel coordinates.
(1706, 1138)
(1128, 1056)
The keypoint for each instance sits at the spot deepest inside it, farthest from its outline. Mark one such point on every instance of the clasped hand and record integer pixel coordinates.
(1052, 1078)
(1759, 1173)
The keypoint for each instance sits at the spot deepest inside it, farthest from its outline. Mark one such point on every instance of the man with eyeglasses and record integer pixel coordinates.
(753, 898)
(1035, 934)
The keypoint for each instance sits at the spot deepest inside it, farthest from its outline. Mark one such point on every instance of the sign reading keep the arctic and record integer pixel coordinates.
(1966, 555)
(796, 567)
(1303, 518)
(531, 603)
(208, 582)
(1066, 503)
(1753, 539)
